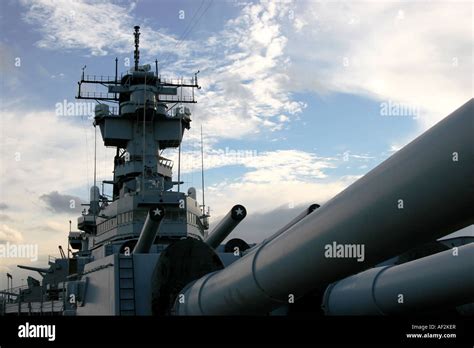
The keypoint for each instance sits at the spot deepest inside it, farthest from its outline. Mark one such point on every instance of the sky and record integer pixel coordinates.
(299, 99)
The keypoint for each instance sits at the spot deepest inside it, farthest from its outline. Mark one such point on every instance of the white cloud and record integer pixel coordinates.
(261, 166)
(46, 151)
(285, 165)
(39, 153)
(422, 58)
(245, 87)
(258, 196)
(249, 70)
(100, 27)
(8, 234)
(242, 66)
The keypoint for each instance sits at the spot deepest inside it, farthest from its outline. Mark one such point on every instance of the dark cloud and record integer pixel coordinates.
(59, 203)
(3, 206)
(258, 226)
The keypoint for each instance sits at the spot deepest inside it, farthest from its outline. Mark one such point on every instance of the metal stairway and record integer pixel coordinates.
(126, 285)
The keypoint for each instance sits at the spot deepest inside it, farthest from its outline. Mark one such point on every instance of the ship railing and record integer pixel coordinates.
(164, 98)
(190, 82)
(177, 81)
(175, 98)
(97, 95)
(99, 78)
(11, 295)
(36, 305)
(31, 307)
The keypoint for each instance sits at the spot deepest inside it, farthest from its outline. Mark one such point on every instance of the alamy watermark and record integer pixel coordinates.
(25, 251)
(227, 156)
(37, 331)
(75, 108)
(391, 108)
(236, 154)
(345, 251)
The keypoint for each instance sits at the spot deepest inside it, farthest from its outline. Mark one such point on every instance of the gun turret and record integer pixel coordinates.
(149, 230)
(422, 192)
(226, 225)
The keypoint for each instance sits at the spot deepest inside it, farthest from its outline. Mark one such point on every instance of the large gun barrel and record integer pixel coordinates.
(37, 269)
(226, 225)
(436, 281)
(296, 219)
(422, 192)
(149, 230)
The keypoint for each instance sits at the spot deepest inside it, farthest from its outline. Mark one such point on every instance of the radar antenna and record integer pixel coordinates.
(136, 53)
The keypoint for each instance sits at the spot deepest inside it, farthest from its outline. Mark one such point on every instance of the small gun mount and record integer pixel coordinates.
(149, 230)
(226, 225)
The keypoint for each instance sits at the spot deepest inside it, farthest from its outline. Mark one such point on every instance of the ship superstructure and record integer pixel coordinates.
(119, 238)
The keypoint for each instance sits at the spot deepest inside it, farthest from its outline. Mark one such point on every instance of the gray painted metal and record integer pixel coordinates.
(101, 278)
(149, 230)
(418, 194)
(37, 269)
(437, 281)
(226, 225)
(296, 219)
(144, 265)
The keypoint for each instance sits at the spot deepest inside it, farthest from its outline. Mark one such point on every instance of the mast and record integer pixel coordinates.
(202, 175)
(136, 54)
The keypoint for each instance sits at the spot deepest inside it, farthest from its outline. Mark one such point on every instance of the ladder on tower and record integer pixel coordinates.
(126, 285)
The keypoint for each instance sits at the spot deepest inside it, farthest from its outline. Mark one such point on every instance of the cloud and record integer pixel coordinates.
(5, 218)
(242, 66)
(62, 203)
(3, 270)
(52, 162)
(262, 166)
(8, 234)
(3, 206)
(253, 67)
(264, 196)
(45, 159)
(99, 27)
(399, 51)
(245, 87)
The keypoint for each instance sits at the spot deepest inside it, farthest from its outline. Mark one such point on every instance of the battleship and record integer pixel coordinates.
(376, 248)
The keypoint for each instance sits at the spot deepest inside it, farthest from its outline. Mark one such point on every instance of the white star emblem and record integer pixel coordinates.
(239, 211)
(157, 211)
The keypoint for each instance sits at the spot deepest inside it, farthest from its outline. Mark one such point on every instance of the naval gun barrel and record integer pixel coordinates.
(296, 219)
(37, 269)
(149, 230)
(436, 281)
(422, 192)
(226, 225)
